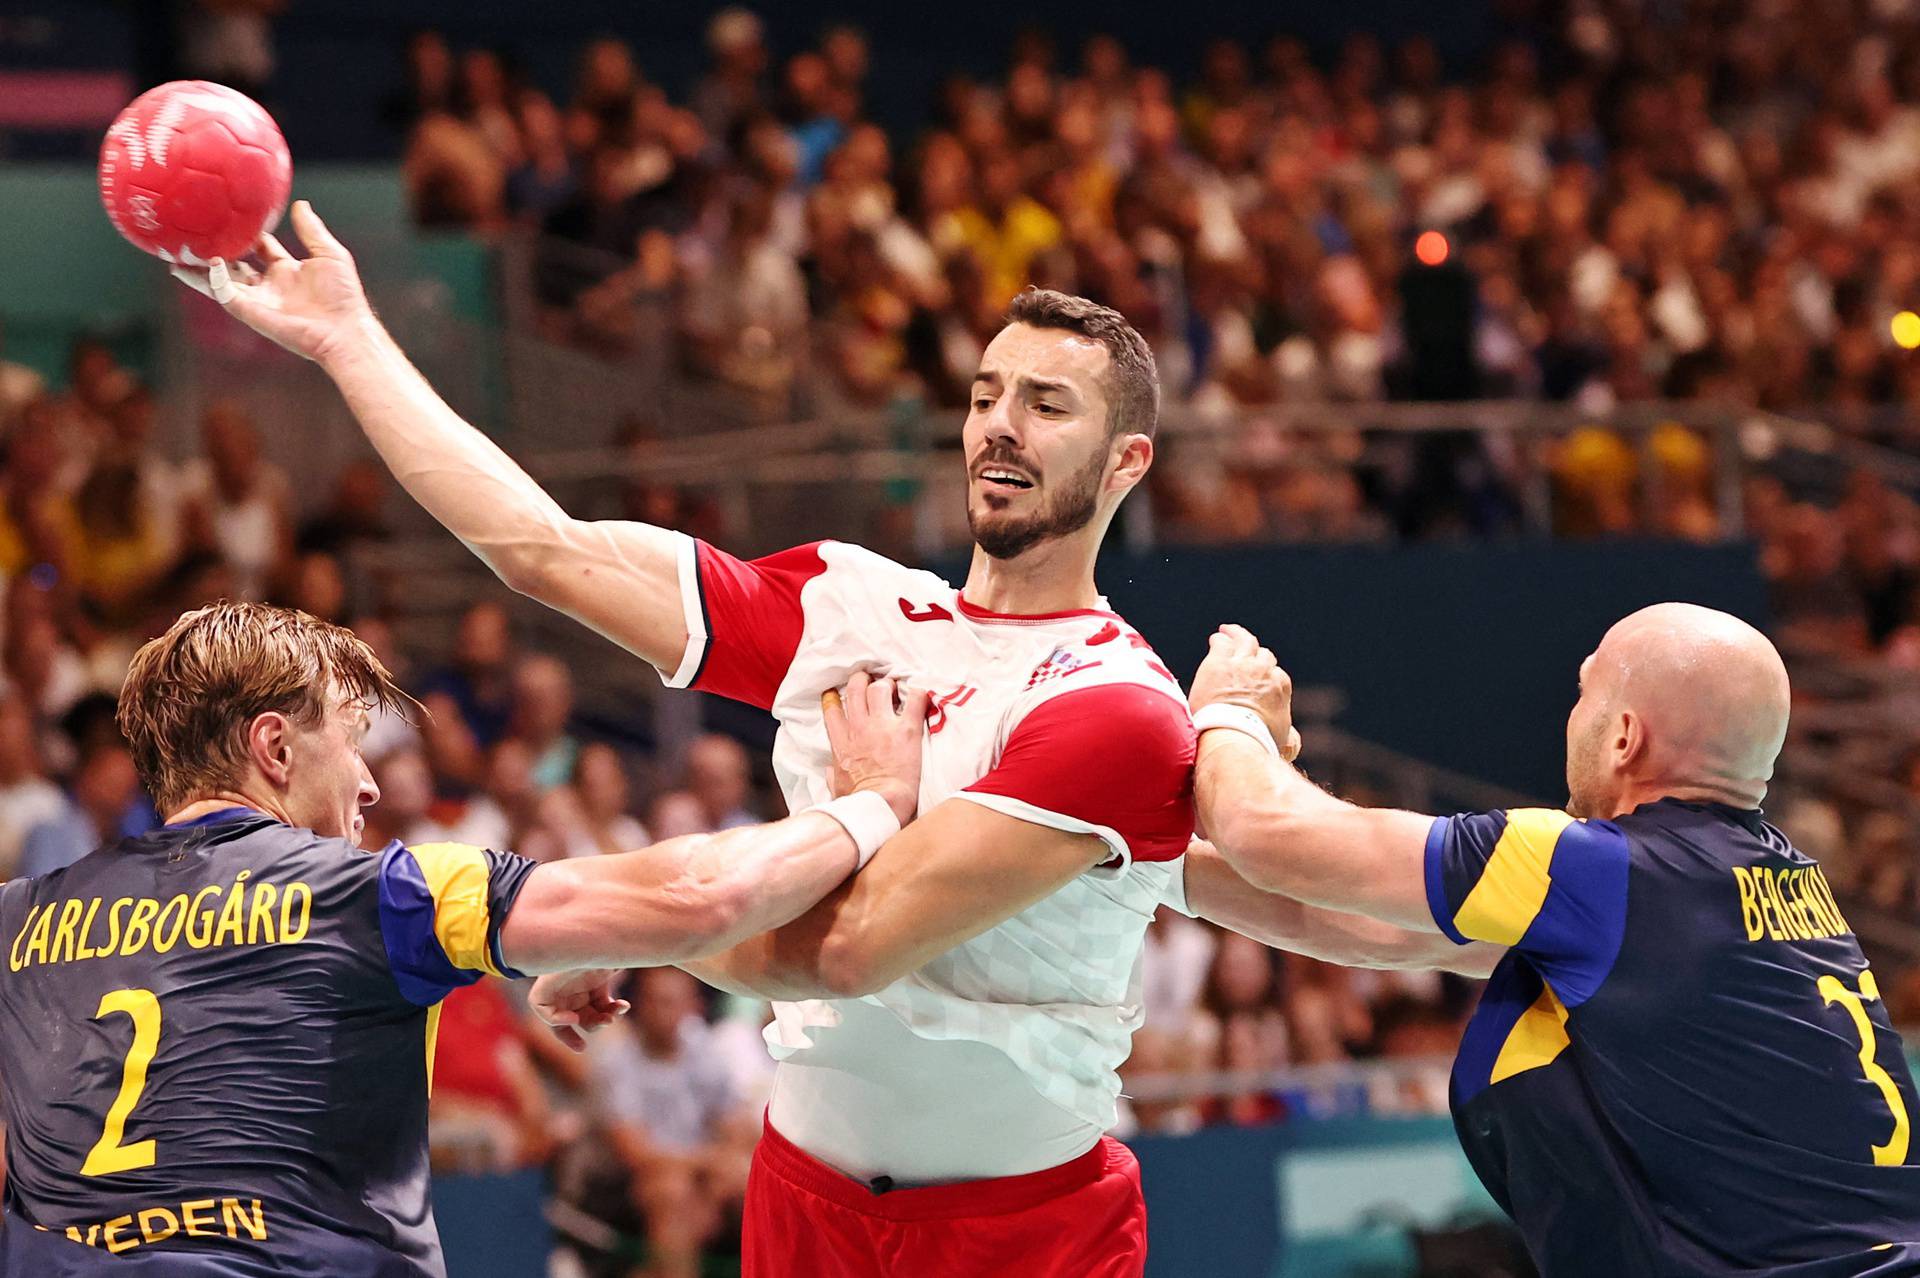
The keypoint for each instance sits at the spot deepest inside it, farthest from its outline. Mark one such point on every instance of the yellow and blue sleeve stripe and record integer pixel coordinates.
(1538, 881)
(441, 907)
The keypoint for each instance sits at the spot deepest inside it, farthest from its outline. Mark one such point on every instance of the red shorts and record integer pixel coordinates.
(1083, 1219)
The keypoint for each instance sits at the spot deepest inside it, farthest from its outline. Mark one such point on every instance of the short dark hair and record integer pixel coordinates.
(1133, 381)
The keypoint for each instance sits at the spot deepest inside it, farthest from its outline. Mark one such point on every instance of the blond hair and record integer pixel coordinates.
(191, 694)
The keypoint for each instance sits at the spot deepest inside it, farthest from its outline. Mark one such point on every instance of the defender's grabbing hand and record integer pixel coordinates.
(1238, 671)
(877, 728)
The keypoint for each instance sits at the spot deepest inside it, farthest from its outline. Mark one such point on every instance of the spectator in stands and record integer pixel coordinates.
(1178, 957)
(230, 42)
(476, 684)
(849, 57)
(406, 802)
(95, 383)
(19, 385)
(1004, 229)
(238, 505)
(1409, 1028)
(454, 178)
(603, 822)
(603, 95)
(1804, 560)
(545, 179)
(677, 812)
(489, 1109)
(1243, 1025)
(316, 584)
(355, 515)
(673, 1120)
(732, 92)
(485, 105)
(746, 313)
(37, 521)
(506, 814)
(1325, 1020)
(720, 779)
(27, 798)
(817, 110)
(389, 728)
(542, 711)
(41, 666)
(124, 546)
(130, 443)
(95, 811)
(430, 82)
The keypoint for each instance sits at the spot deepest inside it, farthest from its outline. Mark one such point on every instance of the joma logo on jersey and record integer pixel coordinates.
(930, 612)
(1060, 663)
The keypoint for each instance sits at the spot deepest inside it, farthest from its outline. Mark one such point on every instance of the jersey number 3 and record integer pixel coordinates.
(1894, 1152)
(108, 1155)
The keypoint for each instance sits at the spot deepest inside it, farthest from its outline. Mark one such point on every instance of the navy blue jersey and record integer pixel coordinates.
(1682, 1066)
(215, 1046)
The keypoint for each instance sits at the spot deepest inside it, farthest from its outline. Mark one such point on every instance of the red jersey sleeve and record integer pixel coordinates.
(1114, 759)
(744, 620)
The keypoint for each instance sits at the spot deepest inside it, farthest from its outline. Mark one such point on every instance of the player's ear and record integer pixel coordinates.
(270, 745)
(1136, 455)
(1629, 741)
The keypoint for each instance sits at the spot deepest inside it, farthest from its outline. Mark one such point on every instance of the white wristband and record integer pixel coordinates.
(1236, 718)
(866, 817)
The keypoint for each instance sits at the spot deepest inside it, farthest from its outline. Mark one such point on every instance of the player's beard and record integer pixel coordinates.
(1584, 799)
(1005, 536)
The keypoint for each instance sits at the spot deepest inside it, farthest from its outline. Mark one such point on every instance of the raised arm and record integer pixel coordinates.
(620, 578)
(1217, 892)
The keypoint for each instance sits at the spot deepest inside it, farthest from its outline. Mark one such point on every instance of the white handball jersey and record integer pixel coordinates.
(1067, 720)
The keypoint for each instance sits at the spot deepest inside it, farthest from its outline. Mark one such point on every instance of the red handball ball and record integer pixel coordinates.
(192, 171)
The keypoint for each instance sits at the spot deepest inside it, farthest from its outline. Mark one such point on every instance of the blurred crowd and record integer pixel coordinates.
(1715, 201)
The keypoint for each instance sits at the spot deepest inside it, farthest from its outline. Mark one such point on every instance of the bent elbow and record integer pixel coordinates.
(532, 557)
(524, 569)
(847, 970)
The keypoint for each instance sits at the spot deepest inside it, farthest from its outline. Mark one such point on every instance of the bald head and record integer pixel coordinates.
(1677, 701)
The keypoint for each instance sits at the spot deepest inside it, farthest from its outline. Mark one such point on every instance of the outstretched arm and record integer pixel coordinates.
(1217, 892)
(1276, 828)
(1287, 835)
(702, 893)
(620, 578)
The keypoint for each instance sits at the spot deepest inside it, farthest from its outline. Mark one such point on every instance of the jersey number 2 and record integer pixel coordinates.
(108, 1155)
(1894, 1152)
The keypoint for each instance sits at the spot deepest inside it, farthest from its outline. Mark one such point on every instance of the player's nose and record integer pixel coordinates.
(369, 788)
(1003, 422)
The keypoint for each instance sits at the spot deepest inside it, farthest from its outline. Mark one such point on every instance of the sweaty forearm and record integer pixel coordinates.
(1287, 835)
(676, 901)
(459, 475)
(1220, 894)
(621, 578)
